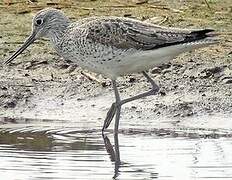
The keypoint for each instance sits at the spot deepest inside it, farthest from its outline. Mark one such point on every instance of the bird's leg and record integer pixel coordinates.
(109, 116)
(118, 107)
(153, 91)
(113, 108)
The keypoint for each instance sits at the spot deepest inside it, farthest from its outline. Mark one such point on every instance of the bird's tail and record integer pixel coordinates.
(207, 35)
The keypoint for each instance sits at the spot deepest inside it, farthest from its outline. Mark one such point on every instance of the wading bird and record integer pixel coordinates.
(114, 46)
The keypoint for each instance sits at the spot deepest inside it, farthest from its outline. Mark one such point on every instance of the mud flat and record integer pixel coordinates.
(196, 87)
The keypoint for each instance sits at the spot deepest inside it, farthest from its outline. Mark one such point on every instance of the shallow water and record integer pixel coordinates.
(44, 149)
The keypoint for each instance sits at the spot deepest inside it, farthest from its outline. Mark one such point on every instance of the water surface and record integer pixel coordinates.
(38, 150)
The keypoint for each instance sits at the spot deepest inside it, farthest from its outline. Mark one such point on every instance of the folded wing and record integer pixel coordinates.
(125, 33)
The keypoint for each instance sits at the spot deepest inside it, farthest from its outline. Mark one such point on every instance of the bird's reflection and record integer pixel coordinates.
(114, 152)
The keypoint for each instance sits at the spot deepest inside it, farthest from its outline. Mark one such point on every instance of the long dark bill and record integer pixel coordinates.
(27, 43)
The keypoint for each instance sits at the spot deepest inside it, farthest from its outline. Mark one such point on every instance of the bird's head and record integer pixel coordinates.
(48, 23)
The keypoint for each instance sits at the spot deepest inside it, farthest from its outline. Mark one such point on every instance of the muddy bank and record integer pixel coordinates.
(41, 85)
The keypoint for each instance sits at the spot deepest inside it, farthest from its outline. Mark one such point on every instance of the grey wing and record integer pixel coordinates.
(127, 33)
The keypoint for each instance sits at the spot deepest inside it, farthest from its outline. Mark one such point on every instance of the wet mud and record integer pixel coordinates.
(195, 87)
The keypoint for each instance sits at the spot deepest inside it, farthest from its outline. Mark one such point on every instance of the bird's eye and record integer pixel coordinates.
(39, 21)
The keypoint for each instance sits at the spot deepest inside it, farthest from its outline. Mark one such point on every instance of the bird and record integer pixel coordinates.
(114, 46)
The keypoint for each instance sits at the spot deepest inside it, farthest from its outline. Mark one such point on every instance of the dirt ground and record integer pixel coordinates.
(196, 87)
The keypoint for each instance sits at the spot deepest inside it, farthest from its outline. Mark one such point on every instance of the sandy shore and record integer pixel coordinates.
(196, 87)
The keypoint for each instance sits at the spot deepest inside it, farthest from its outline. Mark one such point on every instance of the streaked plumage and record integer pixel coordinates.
(114, 46)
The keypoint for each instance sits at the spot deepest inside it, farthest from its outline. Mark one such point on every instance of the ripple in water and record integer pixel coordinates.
(54, 149)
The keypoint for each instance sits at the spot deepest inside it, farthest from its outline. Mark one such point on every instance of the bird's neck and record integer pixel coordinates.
(56, 33)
